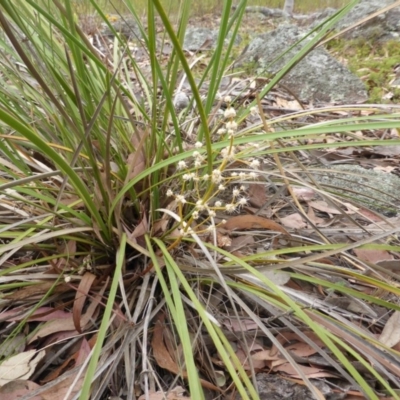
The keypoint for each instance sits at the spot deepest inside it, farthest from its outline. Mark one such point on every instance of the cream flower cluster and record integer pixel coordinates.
(220, 191)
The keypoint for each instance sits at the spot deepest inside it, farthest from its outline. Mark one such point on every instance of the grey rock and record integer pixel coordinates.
(203, 39)
(125, 26)
(383, 27)
(318, 77)
(375, 189)
(274, 387)
(181, 100)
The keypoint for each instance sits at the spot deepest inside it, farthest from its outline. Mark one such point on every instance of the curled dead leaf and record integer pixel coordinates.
(20, 367)
(390, 335)
(247, 222)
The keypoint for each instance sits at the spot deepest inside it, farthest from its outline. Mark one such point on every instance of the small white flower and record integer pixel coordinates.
(198, 145)
(200, 205)
(198, 163)
(187, 177)
(235, 192)
(180, 198)
(230, 113)
(217, 204)
(67, 279)
(253, 111)
(221, 131)
(228, 153)
(223, 221)
(230, 208)
(231, 125)
(212, 213)
(198, 156)
(221, 187)
(242, 176)
(210, 228)
(206, 177)
(227, 99)
(170, 193)
(195, 215)
(242, 201)
(253, 175)
(182, 165)
(255, 164)
(216, 176)
(242, 188)
(234, 174)
(231, 132)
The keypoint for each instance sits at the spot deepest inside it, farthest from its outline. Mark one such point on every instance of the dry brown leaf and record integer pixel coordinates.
(17, 389)
(141, 229)
(309, 372)
(246, 222)
(244, 325)
(161, 225)
(390, 335)
(301, 349)
(258, 364)
(67, 324)
(245, 242)
(13, 345)
(313, 218)
(171, 345)
(20, 367)
(161, 354)
(287, 104)
(75, 360)
(80, 298)
(47, 314)
(59, 391)
(293, 221)
(278, 277)
(393, 265)
(264, 355)
(324, 207)
(257, 195)
(387, 151)
(297, 345)
(40, 289)
(370, 215)
(136, 163)
(303, 193)
(137, 236)
(67, 201)
(373, 255)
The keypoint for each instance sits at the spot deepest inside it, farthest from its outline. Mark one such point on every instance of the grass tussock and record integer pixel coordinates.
(139, 253)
